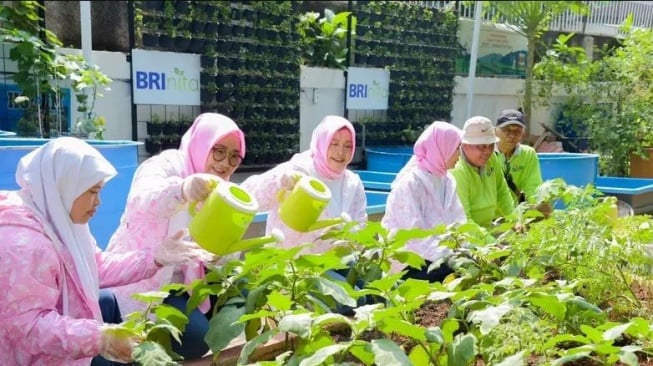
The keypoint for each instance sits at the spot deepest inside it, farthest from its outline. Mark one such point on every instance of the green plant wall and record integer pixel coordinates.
(250, 64)
(251, 56)
(418, 46)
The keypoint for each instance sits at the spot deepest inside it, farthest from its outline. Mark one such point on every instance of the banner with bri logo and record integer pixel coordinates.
(165, 78)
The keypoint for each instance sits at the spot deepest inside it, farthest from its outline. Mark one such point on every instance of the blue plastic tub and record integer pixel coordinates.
(631, 186)
(122, 154)
(376, 181)
(575, 169)
(637, 192)
(388, 159)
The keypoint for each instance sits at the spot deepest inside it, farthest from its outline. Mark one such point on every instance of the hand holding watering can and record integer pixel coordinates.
(219, 225)
(301, 207)
(197, 187)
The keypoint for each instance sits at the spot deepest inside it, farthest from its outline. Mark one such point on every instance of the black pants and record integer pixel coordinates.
(436, 275)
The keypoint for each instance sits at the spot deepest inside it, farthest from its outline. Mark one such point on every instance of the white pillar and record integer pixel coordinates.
(87, 35)
(478, 5)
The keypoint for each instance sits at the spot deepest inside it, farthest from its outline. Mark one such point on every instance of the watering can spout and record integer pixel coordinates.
(276, 236)
(344, 217)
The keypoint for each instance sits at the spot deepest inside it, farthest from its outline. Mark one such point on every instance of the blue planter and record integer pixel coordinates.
(575, 169)
(122, 154)
(388, 159)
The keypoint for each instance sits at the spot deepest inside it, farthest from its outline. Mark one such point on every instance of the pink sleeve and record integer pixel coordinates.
(265, 187)
(31, 321)
(118, 269)
(155, 190)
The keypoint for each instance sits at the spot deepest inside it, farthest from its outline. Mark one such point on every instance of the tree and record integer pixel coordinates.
(610, 99)
(531, 19)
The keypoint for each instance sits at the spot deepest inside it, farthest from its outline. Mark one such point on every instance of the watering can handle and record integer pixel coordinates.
(193, 204)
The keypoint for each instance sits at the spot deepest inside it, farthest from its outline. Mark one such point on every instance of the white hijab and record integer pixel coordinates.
(52, 177)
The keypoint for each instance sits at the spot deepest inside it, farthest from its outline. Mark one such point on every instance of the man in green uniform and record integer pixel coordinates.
(521, 167)
(480, 183)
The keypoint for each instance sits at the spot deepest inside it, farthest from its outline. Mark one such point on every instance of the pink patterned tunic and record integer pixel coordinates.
(37, 275)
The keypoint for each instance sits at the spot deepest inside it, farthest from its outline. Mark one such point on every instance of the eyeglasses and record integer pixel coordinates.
(220, 154)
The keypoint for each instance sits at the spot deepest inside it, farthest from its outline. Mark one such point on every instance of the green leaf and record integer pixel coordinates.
(489, 317)
(616, 332)
(434, 335)
(151, 296)
(400, 326)
(461, 351)
(279, 301)
(299, 324)
(151, 353)
(224, 327)
(363, 351)
(549, 304)
(594, 335)
(172, 314)
(322, 354)
(514, 360)
(252, 345)
(419, 356)
(333, 289)
(388, 353)
(570, 358)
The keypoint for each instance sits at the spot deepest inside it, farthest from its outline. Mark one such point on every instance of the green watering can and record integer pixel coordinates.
(219, 225)
(301, 208)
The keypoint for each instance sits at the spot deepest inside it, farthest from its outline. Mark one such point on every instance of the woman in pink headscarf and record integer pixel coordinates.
(332, 148)
(157, 205)
(423, 195)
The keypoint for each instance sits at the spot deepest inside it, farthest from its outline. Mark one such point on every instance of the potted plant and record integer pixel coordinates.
(154, 126)
(323, 40)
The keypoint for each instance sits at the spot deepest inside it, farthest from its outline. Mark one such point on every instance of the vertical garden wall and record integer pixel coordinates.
(251, 57)
(418, 45)
(250, 64)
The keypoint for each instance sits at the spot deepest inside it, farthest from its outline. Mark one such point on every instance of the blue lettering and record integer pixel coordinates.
(362, 90)
(141, 80)
(352, 90)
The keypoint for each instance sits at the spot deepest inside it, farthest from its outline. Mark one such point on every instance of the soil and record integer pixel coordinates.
(433, 313)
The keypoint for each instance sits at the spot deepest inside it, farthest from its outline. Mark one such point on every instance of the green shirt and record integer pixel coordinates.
(483, 192)
(524, 167)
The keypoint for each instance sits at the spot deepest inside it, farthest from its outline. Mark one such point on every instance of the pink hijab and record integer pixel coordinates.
(321, 139)
(435, 146)
(207, 130)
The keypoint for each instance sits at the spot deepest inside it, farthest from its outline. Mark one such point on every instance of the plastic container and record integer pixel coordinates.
(388, 159)
(575, 169)
(122, 154)
(376, 181)
(637, 192)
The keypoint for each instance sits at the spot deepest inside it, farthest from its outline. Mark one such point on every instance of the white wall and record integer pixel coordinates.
(115, 104)
(322, 93)
(491, 96)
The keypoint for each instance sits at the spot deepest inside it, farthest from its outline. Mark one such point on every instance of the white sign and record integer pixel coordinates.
(367, 88)
(165, 78)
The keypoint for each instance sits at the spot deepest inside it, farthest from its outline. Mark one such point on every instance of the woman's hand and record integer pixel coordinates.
(289, 178)
(197, 187)
(176, 250)
(117, 344)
